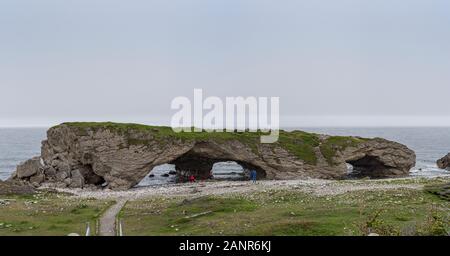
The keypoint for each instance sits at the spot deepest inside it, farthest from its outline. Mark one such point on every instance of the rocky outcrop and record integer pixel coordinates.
(119, 156)
(15, 188)
(380, 158)
(444, 163)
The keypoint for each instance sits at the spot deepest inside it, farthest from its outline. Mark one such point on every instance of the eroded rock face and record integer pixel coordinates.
(380, 158)
(80, 156)
(444, 163)
(29, 168)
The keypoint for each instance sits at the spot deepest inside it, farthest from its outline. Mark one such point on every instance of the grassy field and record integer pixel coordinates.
(48, 214)
(275, 211)
(394, 212)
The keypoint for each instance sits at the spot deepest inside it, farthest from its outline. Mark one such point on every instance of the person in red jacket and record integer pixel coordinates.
(192, 178)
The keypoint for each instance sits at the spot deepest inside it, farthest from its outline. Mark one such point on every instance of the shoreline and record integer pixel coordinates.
(316, 187)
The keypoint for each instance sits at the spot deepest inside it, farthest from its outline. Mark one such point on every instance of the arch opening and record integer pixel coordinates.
(367, 166)
(202, 168)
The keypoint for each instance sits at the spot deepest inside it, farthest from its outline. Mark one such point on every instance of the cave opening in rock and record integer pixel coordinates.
(367, 166)
(203, 168)
(90, 177)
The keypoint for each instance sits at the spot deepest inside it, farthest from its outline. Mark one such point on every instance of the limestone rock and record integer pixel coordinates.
(68, 181)
(444, 163)
(60, 184)
(380, 158)
(50, 172)
(77, 180)
(61, 175)
(38, 179)
(28, 168)
(119, 156)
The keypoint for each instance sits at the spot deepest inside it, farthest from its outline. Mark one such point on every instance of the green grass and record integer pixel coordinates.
(48, 214)
(395, 212)
(332, 144)
(265, 212)
(144, 134)
(300, 144)
(441, 190)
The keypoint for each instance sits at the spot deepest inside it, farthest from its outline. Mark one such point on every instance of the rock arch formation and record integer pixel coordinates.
(120, 155)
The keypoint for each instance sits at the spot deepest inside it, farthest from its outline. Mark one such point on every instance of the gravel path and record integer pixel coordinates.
(108, 219)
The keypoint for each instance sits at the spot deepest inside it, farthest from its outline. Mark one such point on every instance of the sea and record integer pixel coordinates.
(429, 143)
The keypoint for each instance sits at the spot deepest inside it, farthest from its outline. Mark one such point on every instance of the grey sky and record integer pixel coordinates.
(125, 60)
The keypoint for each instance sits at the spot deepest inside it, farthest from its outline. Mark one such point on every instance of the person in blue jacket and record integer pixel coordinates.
(253, 176)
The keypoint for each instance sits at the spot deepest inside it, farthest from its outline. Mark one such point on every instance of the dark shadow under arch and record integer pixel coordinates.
(367, 166)
(201, 166)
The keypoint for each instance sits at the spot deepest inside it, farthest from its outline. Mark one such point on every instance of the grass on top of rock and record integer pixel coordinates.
(48, 214)
(332, 144)
(282, 212)
(300, 144)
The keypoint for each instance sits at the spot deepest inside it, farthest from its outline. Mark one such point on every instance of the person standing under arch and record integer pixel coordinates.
(253, 176)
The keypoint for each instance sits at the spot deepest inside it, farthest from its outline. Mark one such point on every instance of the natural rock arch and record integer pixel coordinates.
(121, 155)
(367, 166)
(200, 159)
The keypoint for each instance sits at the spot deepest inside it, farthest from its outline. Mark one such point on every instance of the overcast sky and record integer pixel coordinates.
(331, 62)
